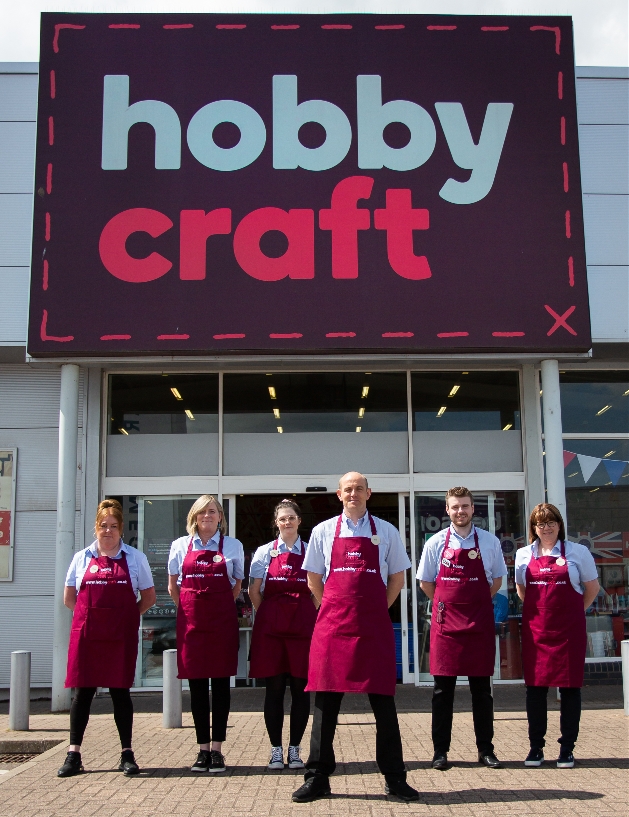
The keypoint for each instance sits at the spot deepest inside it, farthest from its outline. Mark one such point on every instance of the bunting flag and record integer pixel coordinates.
(588, 465)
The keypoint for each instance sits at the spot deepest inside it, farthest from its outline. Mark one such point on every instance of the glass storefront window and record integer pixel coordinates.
(594, 402)
(465, 401)
(163, 404)
(315, 401)
(501, 513)
(597, 497)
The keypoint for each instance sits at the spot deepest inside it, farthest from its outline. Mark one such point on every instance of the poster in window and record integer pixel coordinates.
(8, 459)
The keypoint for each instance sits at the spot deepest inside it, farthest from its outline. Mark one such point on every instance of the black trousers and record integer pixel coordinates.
(443, 708)
(200, 707)
(388, 741)
(80, 714)
(569, 718)
(274, 708)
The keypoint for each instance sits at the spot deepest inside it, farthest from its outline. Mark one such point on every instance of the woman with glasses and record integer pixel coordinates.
(108, 587)
(556, 581)
(206, 569)
(280, 642)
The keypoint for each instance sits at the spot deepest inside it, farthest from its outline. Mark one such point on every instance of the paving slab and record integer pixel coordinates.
(165, 786)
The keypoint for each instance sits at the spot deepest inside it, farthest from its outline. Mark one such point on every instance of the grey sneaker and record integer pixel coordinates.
(294, 758)
(277, 758)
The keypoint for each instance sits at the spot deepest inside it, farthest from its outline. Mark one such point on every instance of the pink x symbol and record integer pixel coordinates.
(560, 320)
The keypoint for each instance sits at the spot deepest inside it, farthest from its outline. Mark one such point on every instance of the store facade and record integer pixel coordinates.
(285, 416)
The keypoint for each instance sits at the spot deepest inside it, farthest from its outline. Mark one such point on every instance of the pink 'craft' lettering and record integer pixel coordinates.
(113, 239)
(344, 219)
(196, 226)
(297, 261)
(399, 219)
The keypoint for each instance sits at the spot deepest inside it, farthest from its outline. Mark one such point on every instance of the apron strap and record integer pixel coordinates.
(563, 549)
(220, 544)
(338, 527)
(372, 523)
(189, 546)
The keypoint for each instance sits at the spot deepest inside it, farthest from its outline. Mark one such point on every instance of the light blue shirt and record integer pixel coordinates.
(232, 551)
(262, 558)
(391, 552)
(581, 565)
(139, 570)
(490, 551)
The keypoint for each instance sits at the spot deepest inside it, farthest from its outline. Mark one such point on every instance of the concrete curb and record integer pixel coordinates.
(62, 747)
(24, 746)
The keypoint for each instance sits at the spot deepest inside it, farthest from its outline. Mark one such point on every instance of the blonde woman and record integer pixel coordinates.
(101, 589)
(206, 569)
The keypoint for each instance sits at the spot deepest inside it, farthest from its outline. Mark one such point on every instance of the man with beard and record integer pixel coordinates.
(461, 569)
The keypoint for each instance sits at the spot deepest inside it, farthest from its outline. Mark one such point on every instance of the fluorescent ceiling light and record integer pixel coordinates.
(573, 475)
(272, 392)
(280, 430)
(123, 431)
(541, 392)
(361, 412)
(464, 372)
(189, 414)
(508, 426)
(358, 428)
(594, 489)
(364, 392)
(176, 393)
(276, 414)
(453, 391)
(441, 411)
(603, 410)
(625, 393)
(609, 453)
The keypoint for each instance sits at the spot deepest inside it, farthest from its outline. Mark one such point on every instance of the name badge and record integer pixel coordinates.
(473, 554)
(375, 540)
(446, 562)
(561, 561)
(217, 558)
(94, 569)
(274, 553)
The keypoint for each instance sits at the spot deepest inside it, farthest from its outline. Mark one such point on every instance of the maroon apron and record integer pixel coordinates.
(353, 646)
(282, 630)
(462, 631)
(207, 619)
(103, 647)
(554, 637)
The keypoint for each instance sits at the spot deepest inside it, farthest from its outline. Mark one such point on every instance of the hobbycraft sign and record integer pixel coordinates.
(288, 183)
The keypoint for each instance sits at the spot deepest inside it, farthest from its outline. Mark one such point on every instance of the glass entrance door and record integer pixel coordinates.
(502, 514)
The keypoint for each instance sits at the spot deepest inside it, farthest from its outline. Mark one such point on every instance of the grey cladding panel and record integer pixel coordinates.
(315, 453)
(608, 289)
(14, 283)
(30, 630)
(16, 212)
(17, 157)
(606, 230)
(162, 455)
(18, 97)
(443, 452)
(29, 397)
(603, 101)
(604, 153)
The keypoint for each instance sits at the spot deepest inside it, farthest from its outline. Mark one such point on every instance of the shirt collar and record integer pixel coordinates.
(295, 548)
(196, 539)
(93, 550)
(535, 547)
(351, 524)
(460, 538)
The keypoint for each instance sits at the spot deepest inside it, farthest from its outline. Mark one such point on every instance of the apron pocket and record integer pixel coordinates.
(464, 618)
(104, 624)
(197, 608)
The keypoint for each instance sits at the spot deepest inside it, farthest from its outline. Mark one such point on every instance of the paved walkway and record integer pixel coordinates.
(598, 784)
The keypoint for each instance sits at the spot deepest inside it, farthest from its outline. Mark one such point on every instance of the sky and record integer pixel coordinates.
(600, 26)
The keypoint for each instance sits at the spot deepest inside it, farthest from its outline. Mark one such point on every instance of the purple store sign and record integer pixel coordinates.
(338, 183)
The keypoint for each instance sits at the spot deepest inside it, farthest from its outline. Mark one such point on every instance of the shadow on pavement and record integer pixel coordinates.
(459, 798)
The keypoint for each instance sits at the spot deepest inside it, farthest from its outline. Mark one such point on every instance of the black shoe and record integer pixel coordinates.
(72, 765)
(202, 763)
(490, 760)
(217, 762)
(440, 762)
(534, 758)
(401, 789)
(128, 766)
(565, 760)
(314, 788)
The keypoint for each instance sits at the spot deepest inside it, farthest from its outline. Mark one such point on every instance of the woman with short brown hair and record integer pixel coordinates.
(101, 589)
(557, 581)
